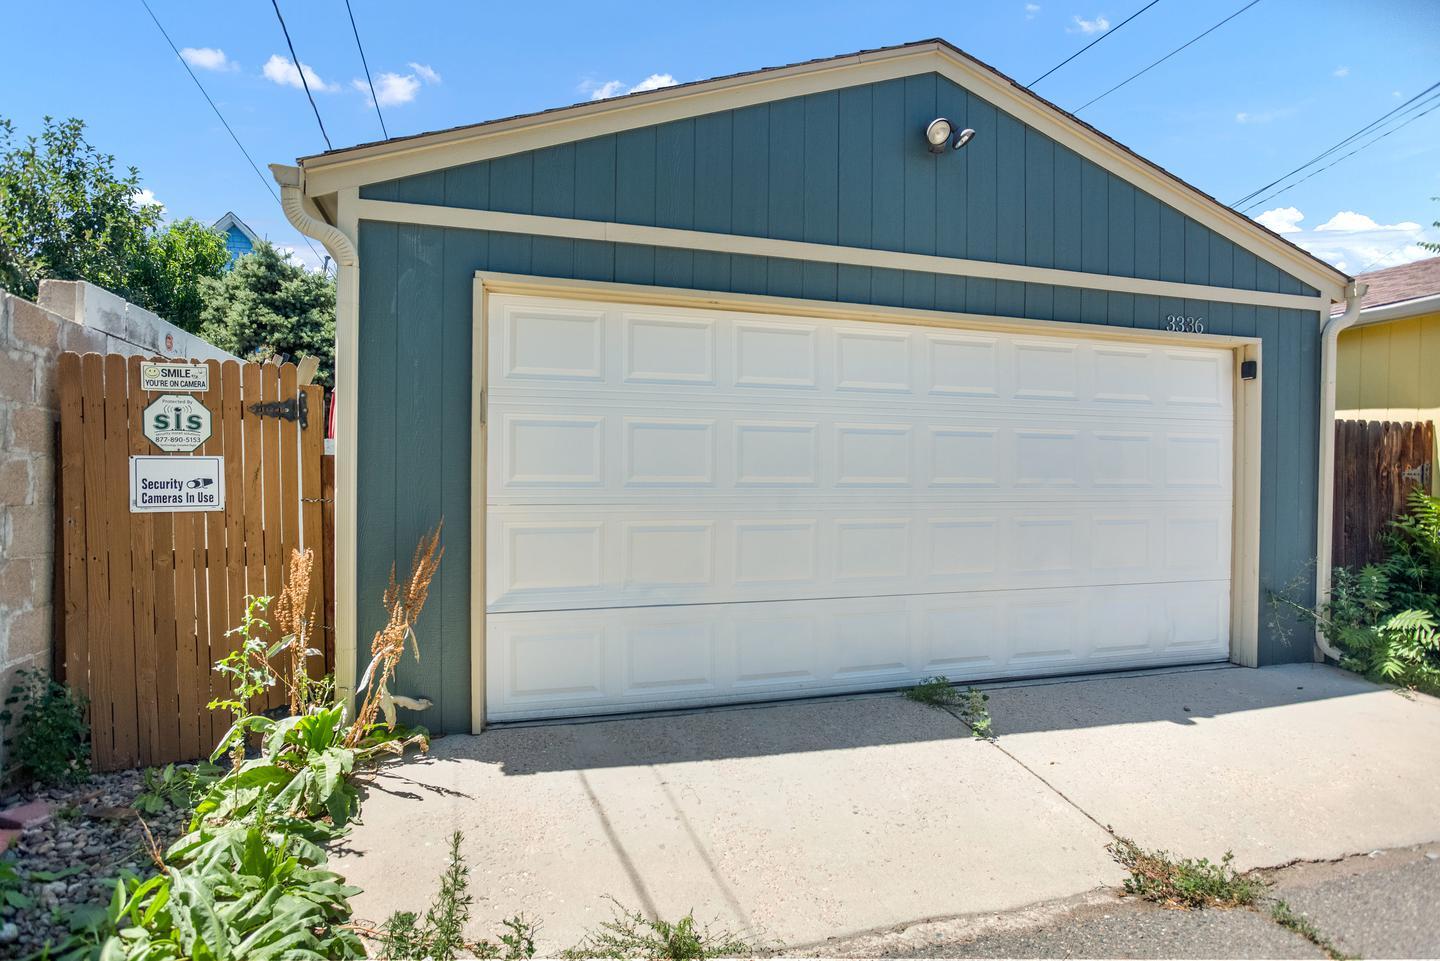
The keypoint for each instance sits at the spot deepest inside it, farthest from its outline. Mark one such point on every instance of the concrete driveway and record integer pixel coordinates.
(801, 822)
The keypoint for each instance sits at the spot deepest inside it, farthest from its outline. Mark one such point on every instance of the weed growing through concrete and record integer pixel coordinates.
(969, 705)
(630, 934)
(1186, 883)
(440, 934)
(1285, 916)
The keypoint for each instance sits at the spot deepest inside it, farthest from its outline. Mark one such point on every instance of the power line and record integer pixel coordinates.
(1339, 144)
(373, 99)
(300, 69)
(1168, 56)
(269, 184)
(1088, 45)
(1434, 105)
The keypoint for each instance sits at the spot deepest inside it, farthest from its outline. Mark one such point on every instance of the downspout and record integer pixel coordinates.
(1329, 348)
(292, 201)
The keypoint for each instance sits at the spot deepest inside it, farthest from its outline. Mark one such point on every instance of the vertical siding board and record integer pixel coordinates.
(427, 188)
(921, 170)
(980, 211)
(1307, 501)
(887, 185)
(1039, 230)
(553, 195)
(713, 146)
(1267, 327)
(787, 185)
(1095, 234)
(951, 187)
(635, 202)
(1069, 236)
(822, 188)
(418, 440)
(675, 198)
(750, 193)
(378, 429)
(512, 189)
(1147, 236)
(1197, 253)
(853, 187)
(595, 200)
(1120, 227)
(468, 186)
(1172, 244)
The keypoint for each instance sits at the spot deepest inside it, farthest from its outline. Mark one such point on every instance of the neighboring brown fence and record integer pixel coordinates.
(1377, 465)
(146, 599)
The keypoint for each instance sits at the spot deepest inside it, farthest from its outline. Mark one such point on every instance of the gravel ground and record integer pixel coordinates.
(93, 829)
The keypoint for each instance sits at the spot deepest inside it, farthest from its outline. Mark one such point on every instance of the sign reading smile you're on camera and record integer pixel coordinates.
(176, 484)
(176, 422)
(191, 377)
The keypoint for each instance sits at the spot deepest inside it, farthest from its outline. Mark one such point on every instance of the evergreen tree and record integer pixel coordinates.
(269, 305)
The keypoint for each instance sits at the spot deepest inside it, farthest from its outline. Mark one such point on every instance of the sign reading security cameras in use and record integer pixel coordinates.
(160, 484)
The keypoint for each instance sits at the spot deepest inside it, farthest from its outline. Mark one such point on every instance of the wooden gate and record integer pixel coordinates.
(146, 599)
(1377, 465)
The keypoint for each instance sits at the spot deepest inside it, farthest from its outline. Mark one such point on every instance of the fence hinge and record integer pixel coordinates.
(1420, 475)
(296, 408)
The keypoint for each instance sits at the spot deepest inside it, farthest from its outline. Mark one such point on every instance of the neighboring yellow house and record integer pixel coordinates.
(1389, 362)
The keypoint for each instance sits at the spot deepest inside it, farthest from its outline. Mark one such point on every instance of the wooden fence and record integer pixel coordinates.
(146, 599)
(1377, 465)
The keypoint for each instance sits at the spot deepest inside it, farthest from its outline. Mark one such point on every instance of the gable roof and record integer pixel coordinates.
(230, 220)
(417, 153)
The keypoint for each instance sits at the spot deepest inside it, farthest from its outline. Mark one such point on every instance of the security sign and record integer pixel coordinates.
(176, 484)
(177, 422)
(158, 376)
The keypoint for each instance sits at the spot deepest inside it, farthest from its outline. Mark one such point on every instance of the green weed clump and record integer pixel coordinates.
(1187, 882)
(630, 934)
(970, 705)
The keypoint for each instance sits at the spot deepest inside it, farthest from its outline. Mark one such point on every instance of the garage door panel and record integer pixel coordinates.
(554, 663)
(693, 506)
(552, 557)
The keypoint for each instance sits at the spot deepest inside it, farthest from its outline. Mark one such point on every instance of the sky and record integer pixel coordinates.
(1262, 94)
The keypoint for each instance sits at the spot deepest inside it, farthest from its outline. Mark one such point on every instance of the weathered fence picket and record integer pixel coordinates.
(1377, 465)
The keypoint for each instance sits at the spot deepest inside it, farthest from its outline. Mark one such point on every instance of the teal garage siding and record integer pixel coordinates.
(846, 168)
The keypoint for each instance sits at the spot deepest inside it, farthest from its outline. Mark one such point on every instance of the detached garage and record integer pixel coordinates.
(773, 386)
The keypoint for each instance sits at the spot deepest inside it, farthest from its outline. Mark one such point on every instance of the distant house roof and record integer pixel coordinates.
(230, 220)
(1406, 282)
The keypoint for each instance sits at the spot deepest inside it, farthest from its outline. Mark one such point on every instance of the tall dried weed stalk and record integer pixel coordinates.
(403, 602)
(295, 624)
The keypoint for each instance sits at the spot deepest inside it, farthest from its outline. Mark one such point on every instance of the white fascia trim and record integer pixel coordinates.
(386, 161)
(1400, 310)
(390, 211)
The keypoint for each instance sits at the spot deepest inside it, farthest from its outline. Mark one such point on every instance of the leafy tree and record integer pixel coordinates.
(67, 214)
(1432, 247)
(268, 304)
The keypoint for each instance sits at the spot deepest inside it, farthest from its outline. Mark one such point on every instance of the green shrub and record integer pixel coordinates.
(971, 705)
(51, 737)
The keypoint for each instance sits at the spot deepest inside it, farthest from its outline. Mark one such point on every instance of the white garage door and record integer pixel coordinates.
(690, 506)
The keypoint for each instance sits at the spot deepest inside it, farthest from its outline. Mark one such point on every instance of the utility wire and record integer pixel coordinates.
(1092, 42)
(300, 69)
(268, 182)
(1433, 105)
(373, 99)
(1172, 53)
(1372, 125)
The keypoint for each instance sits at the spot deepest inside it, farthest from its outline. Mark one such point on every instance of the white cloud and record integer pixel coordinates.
(1353, 242)
(1282, 220)
(145, 197)
(1340, 72)
(207, 58)
(614, 88)
(1030, 10)
(1098, 25)
(393, 89)
(425, 72)
(280, 70)
(1264, 116)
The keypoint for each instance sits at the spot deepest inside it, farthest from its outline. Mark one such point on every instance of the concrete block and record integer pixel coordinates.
(34, 327)
(17, 377)
(32, 429)
(15, 482)
(30, 633)
(30, 530)
(17, 582)
(62, 297)
(26, 815)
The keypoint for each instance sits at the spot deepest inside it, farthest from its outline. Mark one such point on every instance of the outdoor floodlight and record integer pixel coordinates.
(937, 135)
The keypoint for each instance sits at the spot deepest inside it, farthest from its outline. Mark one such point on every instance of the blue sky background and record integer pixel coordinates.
(1264, 93)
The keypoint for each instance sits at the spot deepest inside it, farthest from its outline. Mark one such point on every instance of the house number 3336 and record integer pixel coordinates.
(1187, 325)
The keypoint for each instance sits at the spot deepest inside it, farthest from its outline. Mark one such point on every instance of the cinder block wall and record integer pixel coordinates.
(74, 316)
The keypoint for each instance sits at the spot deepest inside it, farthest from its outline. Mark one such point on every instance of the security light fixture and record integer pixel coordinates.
(937, 135)
(963, 137)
